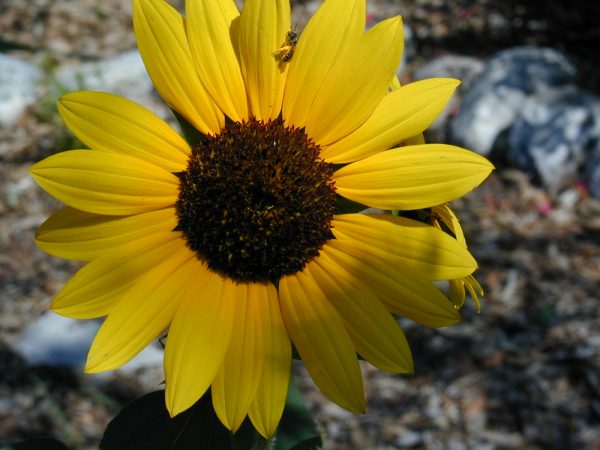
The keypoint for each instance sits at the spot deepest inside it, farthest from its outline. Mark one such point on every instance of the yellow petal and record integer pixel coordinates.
(144, 312)
(401, 291)
(208, 26)
(401, 114)
(419, 139)
(266, 410)
(198, 339)
(105, 182)
(375, 334)
(160, 34)
(98, 286)
(356, 83)
(335, 26)
(457, 292)
(82, 236)
(405, 243)
(109, 122)
(263, 28)
(475, 290)
(234, 387)
(412, 177)
(451, 221)
(319, 334)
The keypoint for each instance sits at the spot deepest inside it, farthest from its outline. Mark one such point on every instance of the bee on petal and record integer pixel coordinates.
(284, 53)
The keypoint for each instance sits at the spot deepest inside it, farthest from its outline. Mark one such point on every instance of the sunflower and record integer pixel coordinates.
(233, 241)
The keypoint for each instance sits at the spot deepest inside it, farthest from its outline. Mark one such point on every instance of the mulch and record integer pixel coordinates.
(522, 374)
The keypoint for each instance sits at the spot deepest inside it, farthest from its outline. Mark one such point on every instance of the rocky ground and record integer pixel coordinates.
(522, 374)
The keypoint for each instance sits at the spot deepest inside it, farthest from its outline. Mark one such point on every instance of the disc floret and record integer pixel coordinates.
(256, 200)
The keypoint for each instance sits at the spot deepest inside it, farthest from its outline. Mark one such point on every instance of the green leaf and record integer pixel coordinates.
(314, 443)
(420, 215)
(245, 438)
(144, 424)
(296, 430)
(345, 206)
(37, 444)
(190, 133)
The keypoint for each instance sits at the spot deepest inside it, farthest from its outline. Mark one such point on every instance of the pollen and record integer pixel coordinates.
(256, 201)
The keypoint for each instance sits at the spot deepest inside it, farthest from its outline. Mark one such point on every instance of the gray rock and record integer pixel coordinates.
(497, 96)
(123, 75)
(410, 48)
(592, 170)
(56, 340)
(18, 81)
(408, 438)
(60, 341)
(526, 110)
(554, 134)
(463, 68)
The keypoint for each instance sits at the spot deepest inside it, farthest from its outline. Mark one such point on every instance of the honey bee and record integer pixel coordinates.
(284, 53)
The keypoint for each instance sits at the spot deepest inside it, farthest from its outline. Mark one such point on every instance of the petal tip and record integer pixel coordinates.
(174, 407)
(451, 82)
(68, 97)
(171, 408)
(95, 364)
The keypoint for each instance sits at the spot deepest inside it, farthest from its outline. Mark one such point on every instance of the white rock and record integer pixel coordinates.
(18, 80)
(57, 340)
(463, 68)
(408, 438)
(495, 99)
(554, 136)
(409, 52)
(124, 75)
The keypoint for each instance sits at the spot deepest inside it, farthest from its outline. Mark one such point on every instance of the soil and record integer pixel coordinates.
(522, 374)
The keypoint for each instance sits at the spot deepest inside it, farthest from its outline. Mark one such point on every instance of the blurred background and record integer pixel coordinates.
(522, 374)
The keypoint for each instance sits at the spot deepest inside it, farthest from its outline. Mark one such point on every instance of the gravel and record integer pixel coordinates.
(522, 374)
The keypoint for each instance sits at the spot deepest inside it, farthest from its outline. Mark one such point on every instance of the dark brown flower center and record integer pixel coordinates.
(256, 201)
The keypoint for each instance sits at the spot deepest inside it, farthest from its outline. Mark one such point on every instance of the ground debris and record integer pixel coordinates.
(522, 374)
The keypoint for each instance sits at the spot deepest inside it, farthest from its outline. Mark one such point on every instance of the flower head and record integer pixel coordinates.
(234, 242)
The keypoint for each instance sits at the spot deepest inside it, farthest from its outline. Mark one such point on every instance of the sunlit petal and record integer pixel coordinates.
(105, 182)
(108, 122)
(266, 410)
(413, 177)
(400, 115)
(198, 339)
(82, 236)
(406, 243)
(235, 385)
(319, 335)
(263, 27)
(208, 27)
(336, 26)
(161, 38)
